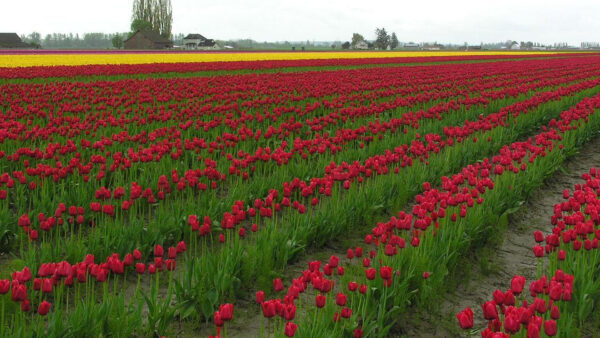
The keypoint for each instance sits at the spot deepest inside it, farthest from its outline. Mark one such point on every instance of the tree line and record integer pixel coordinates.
(72, 41)
(383, 41)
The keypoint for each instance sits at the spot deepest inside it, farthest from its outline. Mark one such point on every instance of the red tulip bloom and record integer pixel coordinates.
(226, 311)
(385, 272)
(218, 320)
(517, 284)
(538, 251)
(371, 273)
(4, 286)
(341, 299)
(158, 251)
(465, 318)
(47, 286)
(260, 297)
(44, 308)
(269, 309)
(290, 329)
(320, 300)
(140, 268)
(539, 236)
(490, 310)
(278, 284)
(26, 305)
(550, 327)
(18, 293)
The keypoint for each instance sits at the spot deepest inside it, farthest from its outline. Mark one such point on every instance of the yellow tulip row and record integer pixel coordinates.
(29, 60)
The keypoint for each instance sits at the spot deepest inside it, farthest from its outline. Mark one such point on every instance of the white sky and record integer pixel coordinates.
(455, 21)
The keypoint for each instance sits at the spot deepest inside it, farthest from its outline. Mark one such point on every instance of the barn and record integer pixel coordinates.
(12, 40)
(147, 39)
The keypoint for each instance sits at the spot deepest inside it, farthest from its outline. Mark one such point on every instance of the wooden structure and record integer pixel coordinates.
(147, 39)
(12, 40)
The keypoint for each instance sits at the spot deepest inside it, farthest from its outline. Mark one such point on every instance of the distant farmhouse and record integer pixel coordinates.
(12, 40)
(197, 41)
(411, 46)
(361, 45)
(147, 39)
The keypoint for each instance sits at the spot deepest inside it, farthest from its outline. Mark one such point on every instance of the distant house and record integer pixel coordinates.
(515, 45)
(197, 41)
(432, 47)
(361, 45)
(411, 46)
(12, 40)
(147, 39)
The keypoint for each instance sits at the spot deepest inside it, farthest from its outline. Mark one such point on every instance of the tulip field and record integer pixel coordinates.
(176, 194)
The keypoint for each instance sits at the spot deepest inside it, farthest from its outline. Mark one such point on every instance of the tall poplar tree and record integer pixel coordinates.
(153, 14)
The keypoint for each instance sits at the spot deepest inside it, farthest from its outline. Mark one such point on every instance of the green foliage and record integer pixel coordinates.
(382, 40)
(117, 41)
(394, 41)
(156, 15)
(140, 25)
(356, 38)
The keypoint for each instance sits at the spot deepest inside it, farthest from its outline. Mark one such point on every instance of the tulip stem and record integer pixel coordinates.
(2, 317)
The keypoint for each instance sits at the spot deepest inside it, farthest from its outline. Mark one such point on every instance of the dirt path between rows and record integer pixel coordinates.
(513, 256)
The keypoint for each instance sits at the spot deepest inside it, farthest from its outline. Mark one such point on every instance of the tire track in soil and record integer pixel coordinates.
(513, 256)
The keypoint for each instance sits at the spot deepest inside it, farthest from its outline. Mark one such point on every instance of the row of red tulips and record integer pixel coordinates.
(571, 250)
(513, 159)
(210, 172)
(112, 70)
(347, 176)
(496, 176)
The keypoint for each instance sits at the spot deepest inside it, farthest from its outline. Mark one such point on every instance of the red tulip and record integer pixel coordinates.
(44, 308)
(371, 273)
(320, 301)
(4, 286)
(490, 310)
(465, 318)
(158, 251)
(140, 268)
(218, 320)
(550, 327)
(385, 272)
(290, 329)
(278, 285)
(226, 311)
(517, 284)
(26, 305)
(260, 297)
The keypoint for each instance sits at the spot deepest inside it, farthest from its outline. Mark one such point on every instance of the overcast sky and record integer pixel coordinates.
(456, 21)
